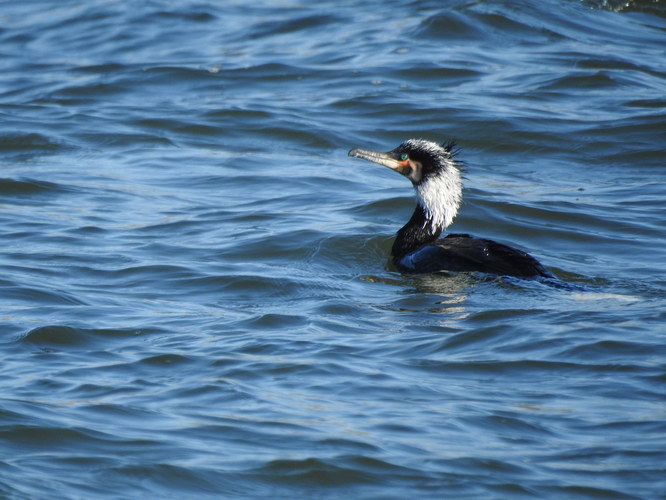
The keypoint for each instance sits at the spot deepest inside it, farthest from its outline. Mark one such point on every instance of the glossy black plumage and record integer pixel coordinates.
(466, 253)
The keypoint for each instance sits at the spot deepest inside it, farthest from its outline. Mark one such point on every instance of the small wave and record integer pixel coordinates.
(27, 142)
(33, 295)
(62, 336)
(291, 25)
(348, 470)
(29, 187)
(22, 146)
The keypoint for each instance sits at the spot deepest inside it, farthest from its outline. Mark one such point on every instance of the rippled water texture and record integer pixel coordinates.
(195, 299)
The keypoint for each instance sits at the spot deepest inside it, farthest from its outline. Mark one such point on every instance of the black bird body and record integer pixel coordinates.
(418, 247)
(466, 253)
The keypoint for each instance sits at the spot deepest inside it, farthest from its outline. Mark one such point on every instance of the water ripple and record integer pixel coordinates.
(197, 298)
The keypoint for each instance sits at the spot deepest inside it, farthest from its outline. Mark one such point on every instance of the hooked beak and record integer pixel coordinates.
(387, 159)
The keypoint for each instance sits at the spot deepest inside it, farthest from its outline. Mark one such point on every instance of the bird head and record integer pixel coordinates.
(433, 170)
(416, 159)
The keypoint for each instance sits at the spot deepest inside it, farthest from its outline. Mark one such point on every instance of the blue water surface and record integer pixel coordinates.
(196, 300)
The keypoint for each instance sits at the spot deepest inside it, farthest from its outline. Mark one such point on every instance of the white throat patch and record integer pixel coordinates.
(440, 196)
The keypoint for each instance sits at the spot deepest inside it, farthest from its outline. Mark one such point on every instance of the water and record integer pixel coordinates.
(195, 297)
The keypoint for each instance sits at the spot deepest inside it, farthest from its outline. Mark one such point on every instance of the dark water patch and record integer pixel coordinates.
(356, 474)
(37, 437)
(492, 467)
(124, 140)
(197, 16)
(451, 25)
(27, 142)
(27, 146)
(440, 77)
(506, 26)
(31, 188)
(647, 103)
(278, 322)
(489, 24)
(60, 336)
(501, 315)
(474, 340)
(104, 69)
(137, 275)
(235, 114)
(615, 351)
(293, 25)
(316, 472)
(91, 91)
(596, 81)
(89, 231)
(525, 367)
(222, 392)
(627, 70)
(166, 359)
(170, 75)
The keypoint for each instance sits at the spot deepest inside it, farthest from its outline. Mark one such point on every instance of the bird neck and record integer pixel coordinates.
(438, 199)
(440, 196)
(419, 231)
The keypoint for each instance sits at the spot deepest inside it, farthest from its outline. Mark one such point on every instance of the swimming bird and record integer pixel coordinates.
(418, 248)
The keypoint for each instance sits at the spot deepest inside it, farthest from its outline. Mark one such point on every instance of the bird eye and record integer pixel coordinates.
(404, 156)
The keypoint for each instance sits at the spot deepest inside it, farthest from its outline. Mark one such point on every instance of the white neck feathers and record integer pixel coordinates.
(440, 197)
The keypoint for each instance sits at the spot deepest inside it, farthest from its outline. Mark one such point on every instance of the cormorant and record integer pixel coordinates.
(418, 248)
